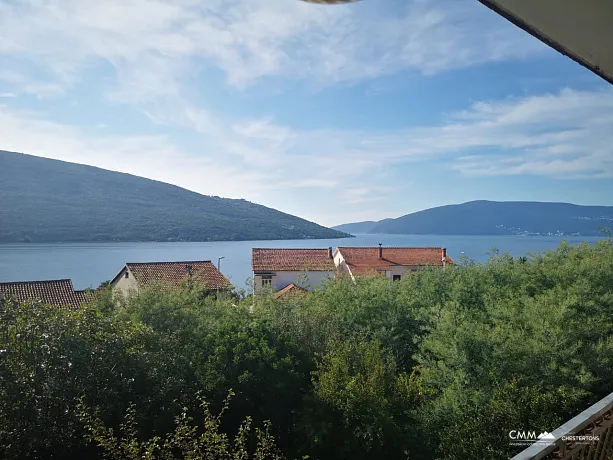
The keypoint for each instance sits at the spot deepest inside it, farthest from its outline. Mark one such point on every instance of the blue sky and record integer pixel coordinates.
(332, 113)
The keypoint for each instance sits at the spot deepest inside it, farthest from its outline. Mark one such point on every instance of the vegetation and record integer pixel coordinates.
(44, 201)
(494, 218)
(440, 365)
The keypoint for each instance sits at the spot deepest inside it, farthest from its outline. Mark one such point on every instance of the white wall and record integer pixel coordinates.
(401, 270)
(125, 286)
(305, 279)
(340, 263)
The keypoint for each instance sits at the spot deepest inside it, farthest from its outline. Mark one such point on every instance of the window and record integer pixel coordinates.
(266, 280)
(396, 277)
(127, 274)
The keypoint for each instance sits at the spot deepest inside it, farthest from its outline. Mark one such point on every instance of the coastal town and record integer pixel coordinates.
(279, 272)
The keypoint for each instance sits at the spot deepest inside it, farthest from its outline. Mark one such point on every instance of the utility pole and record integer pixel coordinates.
(219, 270)
(189, 277)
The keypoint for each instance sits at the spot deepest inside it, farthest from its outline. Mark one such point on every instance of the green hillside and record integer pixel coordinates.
(44, 200)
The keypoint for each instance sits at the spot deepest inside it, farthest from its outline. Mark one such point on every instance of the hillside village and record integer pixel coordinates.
(279, 272)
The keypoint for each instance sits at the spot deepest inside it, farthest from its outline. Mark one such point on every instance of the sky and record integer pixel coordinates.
(334, 113)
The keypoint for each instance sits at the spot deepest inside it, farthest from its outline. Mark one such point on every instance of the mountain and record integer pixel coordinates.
(44, 200)
(359, 227)
(497, 218)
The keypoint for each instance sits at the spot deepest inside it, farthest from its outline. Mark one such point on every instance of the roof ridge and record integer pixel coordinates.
(390, 247)
(36, 281)
(290, 249)
(170, 262)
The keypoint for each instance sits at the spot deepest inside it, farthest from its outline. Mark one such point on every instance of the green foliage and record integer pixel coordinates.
(482, 430)
(44, 201)
(49, 357)
(442, 364)
(185, 442)
(370, 400)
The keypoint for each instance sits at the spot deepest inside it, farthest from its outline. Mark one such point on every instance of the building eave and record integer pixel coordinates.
(578, 30)
(121, 272)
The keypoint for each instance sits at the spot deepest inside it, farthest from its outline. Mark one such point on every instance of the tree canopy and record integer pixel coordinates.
(442, 364)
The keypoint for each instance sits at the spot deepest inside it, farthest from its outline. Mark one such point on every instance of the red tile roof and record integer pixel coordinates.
(291, 260)
(84, 297)
(176, 274)
(52, 292)
(291, 290)
(363, 260)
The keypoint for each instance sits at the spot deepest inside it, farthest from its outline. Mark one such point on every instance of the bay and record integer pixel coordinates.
(89, 264)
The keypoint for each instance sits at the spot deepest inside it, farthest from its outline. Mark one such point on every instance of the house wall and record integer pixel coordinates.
(125, 286)
(341, 264)
(400, 270)
(282, 278)
(403, 270)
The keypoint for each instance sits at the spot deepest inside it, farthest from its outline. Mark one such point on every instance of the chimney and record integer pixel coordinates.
(380, 250)
(330, 252)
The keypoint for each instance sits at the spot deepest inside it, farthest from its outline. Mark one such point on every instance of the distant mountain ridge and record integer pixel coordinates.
(359, 227)
(43, 200)
(495, 218)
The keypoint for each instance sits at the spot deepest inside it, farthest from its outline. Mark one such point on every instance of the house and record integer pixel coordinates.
(59, 293)
(276, 269)
(202, 274)
(394, 263)
(291, 291)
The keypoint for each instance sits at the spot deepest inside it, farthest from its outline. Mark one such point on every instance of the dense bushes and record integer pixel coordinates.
(438, 365)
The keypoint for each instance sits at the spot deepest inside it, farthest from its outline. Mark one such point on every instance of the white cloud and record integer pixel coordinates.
(150, 47)
(564, 135)
(150, 52)
(324, 174)
(154, 157)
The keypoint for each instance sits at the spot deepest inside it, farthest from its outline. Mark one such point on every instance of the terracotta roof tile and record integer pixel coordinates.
(84, 297)
(292, 260)
(52, 292)
(364, 260)
(291, 290)
(176, 274)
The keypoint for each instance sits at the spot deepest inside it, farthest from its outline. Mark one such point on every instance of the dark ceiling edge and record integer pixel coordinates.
(549, 42)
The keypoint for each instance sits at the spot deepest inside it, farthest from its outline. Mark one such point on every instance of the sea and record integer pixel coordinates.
(89, 264)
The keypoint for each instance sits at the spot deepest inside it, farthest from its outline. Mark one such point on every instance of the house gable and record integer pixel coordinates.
(173, 274)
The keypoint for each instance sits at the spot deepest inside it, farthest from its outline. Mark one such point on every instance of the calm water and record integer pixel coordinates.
(88, 264)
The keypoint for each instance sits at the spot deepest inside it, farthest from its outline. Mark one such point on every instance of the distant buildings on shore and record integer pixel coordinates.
(284, 272)
(276, 269)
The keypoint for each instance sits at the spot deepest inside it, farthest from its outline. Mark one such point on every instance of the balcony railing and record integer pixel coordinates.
(594, 422)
